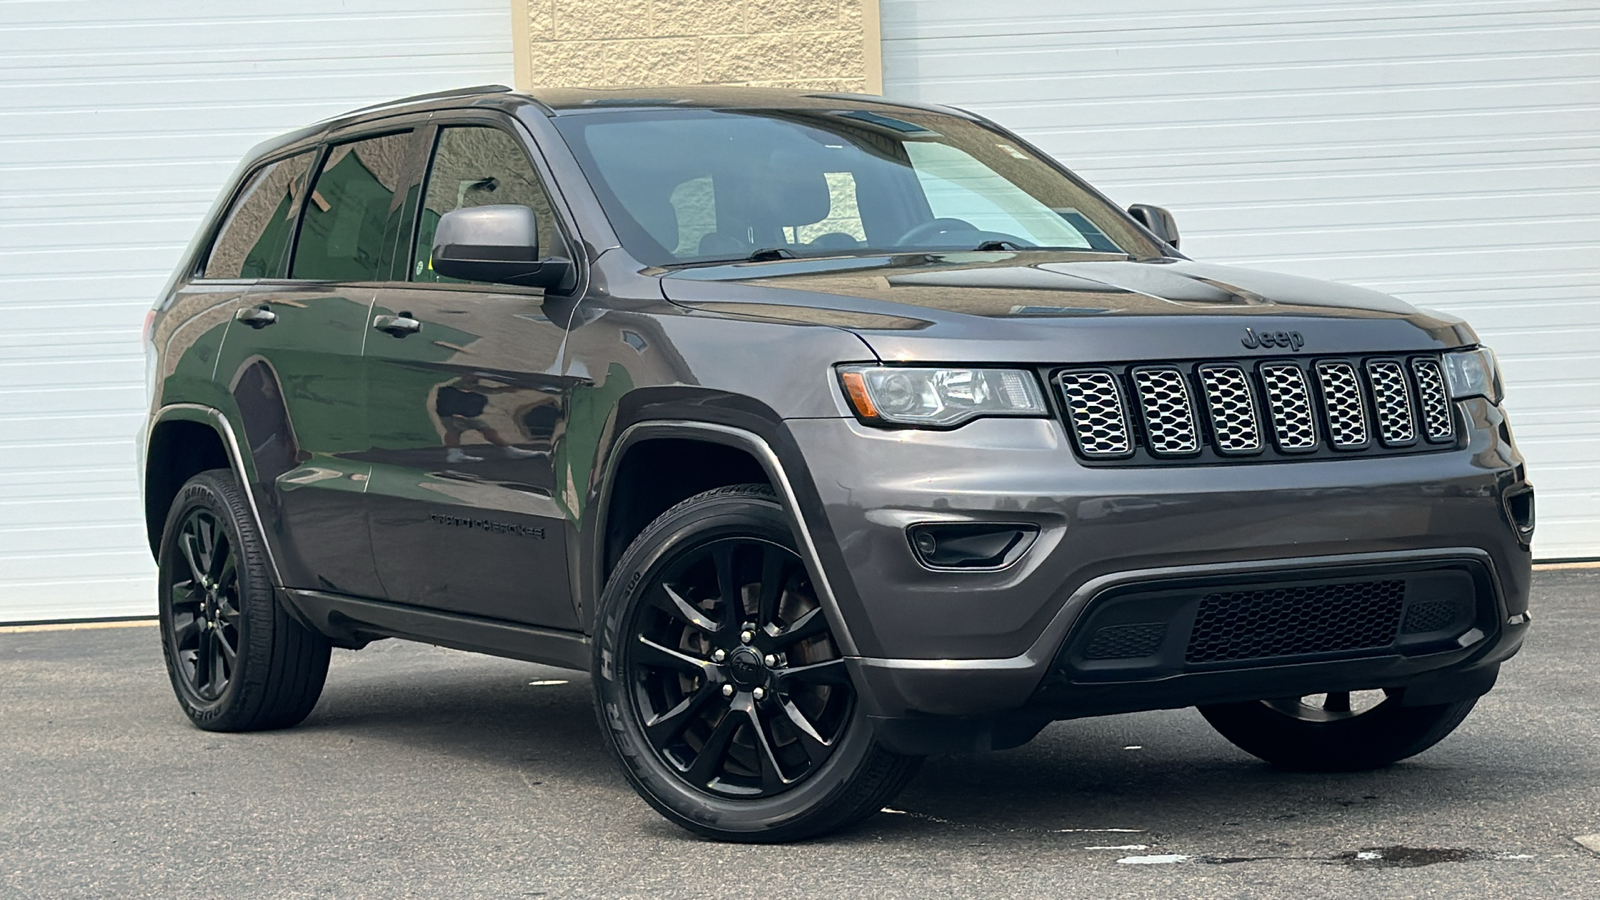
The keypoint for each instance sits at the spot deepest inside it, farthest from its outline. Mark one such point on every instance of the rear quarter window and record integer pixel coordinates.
(254, 239)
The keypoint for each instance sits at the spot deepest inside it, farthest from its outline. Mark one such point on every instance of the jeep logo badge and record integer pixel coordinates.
(1289, 340)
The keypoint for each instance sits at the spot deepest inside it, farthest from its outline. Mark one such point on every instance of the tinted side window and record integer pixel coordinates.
(352, 217)
(254, 238)
(480, 166)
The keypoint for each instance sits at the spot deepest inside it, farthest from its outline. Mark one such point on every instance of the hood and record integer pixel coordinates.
(1042, 308)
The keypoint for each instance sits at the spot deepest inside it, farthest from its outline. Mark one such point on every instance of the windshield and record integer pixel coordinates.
(694, 185)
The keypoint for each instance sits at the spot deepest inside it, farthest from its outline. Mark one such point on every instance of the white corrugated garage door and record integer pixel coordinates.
(1447, 153)
(118, 124)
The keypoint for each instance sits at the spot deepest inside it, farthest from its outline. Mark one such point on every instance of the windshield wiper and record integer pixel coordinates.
(767, 254)
(999, 245)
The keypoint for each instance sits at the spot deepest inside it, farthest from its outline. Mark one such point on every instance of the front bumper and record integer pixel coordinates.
(972, 659)
(926, 706)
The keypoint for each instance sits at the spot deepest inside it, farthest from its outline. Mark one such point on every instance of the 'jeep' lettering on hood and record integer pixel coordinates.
(1289, 340)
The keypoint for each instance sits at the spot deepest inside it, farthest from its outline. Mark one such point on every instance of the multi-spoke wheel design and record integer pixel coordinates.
(733, 671)
(236, 660)
(1338, 731)
(721, 686)
(205, 605)
(1330, 707)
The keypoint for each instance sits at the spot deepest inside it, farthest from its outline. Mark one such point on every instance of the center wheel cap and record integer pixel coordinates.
(745, 669)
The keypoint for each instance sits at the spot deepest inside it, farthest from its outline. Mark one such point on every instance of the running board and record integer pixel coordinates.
(356, 621)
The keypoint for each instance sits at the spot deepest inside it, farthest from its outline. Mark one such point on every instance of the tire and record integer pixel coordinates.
(719, 687)
(236, 659)
(1334, 735)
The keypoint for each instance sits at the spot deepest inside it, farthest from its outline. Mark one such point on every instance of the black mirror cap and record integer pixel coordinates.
(1158, 221)
(497, 244)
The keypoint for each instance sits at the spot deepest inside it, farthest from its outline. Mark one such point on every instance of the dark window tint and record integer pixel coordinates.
(255, 237)
(479, 166)
(352, 216)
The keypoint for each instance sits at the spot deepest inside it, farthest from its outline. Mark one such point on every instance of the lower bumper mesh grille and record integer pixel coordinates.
(1126, 641)
(1295, 621)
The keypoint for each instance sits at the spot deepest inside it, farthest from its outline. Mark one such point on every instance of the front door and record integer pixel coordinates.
(464, 403)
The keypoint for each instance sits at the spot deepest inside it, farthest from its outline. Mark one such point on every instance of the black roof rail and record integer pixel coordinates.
(419, 98)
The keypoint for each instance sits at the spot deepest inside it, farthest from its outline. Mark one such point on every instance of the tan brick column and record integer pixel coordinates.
(818, 44)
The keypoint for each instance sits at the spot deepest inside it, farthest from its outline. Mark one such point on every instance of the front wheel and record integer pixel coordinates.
(1342, 731)
(720, 687)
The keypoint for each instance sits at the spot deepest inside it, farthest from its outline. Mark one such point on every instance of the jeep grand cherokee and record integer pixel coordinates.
(826, 432)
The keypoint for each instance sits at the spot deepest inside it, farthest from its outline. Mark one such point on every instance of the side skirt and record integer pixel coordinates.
(355, 621)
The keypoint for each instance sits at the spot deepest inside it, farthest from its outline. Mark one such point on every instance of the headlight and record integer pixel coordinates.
(939, 397)
(1473, 373)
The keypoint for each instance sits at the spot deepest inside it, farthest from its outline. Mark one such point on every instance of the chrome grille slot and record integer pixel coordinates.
(1094, 407)
(1391, 400)
(1289, 407)
(1342, 401)
(1235, 426)
(1437, 421)
(1168, 412)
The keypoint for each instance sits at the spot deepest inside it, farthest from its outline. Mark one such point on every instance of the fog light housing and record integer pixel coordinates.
(970, 545)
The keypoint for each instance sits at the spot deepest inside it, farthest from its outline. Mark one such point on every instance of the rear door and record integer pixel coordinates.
(465, 509)
(292, 363)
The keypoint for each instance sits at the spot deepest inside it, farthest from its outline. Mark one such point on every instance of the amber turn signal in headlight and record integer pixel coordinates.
(941, 397)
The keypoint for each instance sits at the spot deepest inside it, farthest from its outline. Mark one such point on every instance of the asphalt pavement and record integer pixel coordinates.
(431, 773)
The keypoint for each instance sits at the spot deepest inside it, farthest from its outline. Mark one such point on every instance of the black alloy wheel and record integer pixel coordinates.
(734, 673)
(205, 606)
(1339, 731)
(720, 684)
(236, 660)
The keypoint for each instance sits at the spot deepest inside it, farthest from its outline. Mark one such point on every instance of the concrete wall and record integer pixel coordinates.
(817, 44)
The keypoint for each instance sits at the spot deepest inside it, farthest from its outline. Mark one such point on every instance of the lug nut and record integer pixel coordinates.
(719, 656)
(759, 693)
(747, 636)
(770, 660)
(727, 690)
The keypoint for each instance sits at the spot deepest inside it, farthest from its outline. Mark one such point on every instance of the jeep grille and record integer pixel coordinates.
(1237, 410)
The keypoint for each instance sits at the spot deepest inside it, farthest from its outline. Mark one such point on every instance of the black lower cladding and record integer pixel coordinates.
(1156, 630)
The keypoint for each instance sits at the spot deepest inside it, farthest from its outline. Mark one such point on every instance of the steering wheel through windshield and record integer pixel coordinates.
(945, 232)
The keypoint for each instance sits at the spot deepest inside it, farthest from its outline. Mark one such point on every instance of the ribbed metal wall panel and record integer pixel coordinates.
(118, 124)
(1444, 152)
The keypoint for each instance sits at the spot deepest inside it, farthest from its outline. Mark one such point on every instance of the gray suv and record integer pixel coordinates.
(825, 432)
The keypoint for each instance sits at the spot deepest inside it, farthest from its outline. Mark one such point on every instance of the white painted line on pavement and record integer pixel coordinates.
(75, 626)
(1160, 859)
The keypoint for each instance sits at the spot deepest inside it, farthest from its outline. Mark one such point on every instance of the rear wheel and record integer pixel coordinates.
(236, 660)
(720, 686)
(1342, 731)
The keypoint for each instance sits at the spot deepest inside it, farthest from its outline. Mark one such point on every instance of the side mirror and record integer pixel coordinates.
(1157, 220)
(498, 244)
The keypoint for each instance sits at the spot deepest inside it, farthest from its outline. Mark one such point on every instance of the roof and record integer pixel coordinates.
(570, 101)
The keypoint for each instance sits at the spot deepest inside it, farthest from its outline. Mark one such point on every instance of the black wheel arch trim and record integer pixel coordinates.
(808, 523)
(237, 460)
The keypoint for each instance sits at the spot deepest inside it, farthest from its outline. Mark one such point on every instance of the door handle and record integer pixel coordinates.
(256, 317)
(398, 326)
